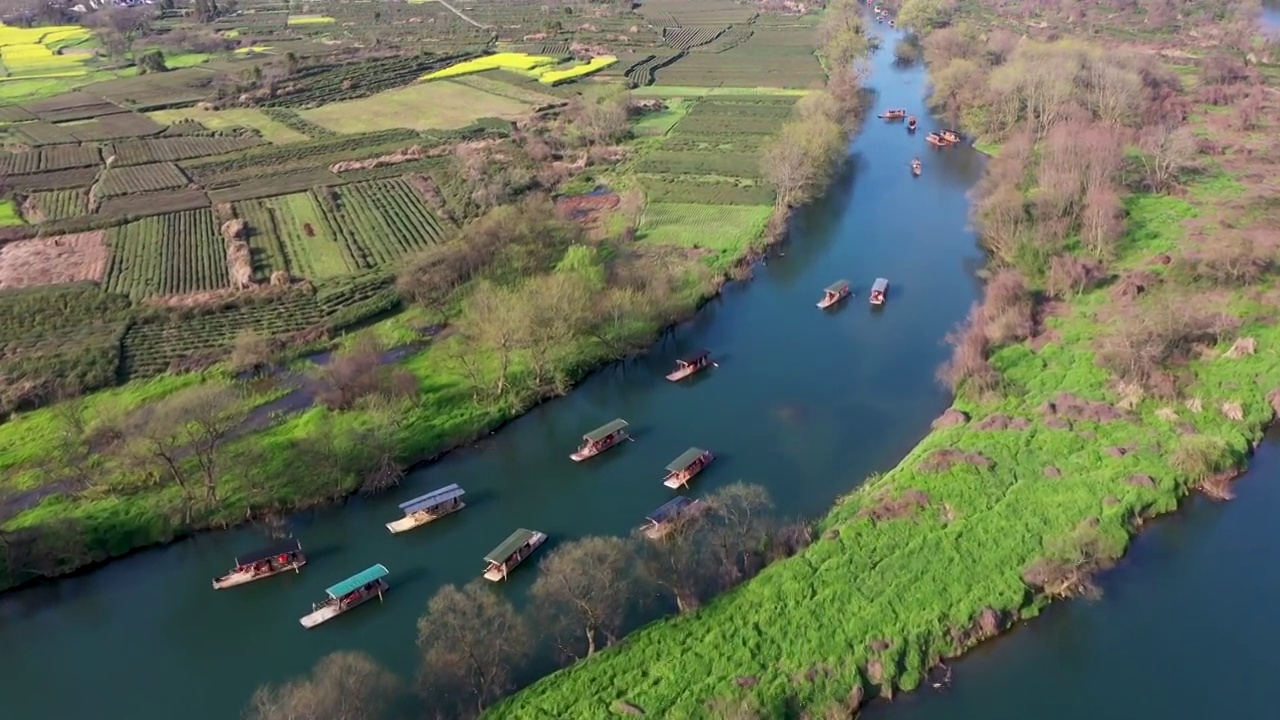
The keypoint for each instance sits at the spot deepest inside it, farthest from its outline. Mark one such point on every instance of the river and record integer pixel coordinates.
(804, 402)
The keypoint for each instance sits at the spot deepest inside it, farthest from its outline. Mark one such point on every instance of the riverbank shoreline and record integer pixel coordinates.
(1032, 492)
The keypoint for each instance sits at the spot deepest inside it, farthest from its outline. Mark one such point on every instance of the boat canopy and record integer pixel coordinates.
(605, 430)
(509, 546)
(838, 286)
(669, 509)
(685, 460)
(880, 286)
(695, 357)
(281, 547)
(357, 581)
(431, 499)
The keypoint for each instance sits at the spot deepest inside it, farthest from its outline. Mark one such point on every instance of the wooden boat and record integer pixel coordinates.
(355, 590)
(601, 439)
(681, 470)
(432, 506)
(690, 365)
(911, 123)
(890, 23)
(951, 136)
(834, 293)
(660, 522)
(936, 140)
(504, 558)
(281, 557)
(916, 167)
(895, 114)
(879, 291)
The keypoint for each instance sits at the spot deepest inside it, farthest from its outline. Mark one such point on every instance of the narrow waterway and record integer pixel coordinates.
(1185, 629)
(805, 402)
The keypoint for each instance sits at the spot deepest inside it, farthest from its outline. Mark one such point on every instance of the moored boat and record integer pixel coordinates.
(879, 291)
(951, 136)
(936, 140)
(689, 365)
(425, 508)
(352, 592)
(916, 167)
(601, 439)
(681, 470)
(274, 559)
(504, 558)
(661, 521)
(894, 114)
(834, 293)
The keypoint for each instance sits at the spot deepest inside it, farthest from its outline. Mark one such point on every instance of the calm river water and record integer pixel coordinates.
(805, 402)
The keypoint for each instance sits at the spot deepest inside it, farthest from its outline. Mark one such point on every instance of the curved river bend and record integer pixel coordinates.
(805, 402)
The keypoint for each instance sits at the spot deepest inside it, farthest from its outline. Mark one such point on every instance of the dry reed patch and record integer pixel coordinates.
(53, 260)
(942, 460)
(1000, 421)
(892, 508)
(1242, 347)
(1073, 408)
(951, 418)
(1233, 411)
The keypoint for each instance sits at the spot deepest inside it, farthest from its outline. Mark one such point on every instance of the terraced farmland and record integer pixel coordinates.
(171, 254)
(141, 178)
(60, 204)
(290, 232)
(380, 221)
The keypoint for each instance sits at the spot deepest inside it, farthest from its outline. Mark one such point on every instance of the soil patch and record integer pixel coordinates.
(942, 460)
(1002, 422)
(53, 260)
(588, 210)
(1067, 406)
(892, 508)
(950, 418)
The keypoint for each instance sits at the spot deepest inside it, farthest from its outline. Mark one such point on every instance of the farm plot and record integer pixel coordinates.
(169, 149)
(425, 106)
(271, 185)
(332, 83)
(56, 157)
(272, 160)
(728, 231)
(290, 232)
(53, 180)
(140, 179)
(666, 189)
(644, 72)
(114, 127)
(72, 106)
(53, 260)
(781, 58)
(141, 205)
(171, 254)
(695, 163)
(379, 222)
(232, 119)
(44, 133)
(521, 93)
(696, 12)
(14, 114)
(60, 204)
(686, 38)
(155, 91)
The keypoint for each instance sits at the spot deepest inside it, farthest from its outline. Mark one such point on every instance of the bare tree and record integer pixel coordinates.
(472, 643)
(680, 562)
(1167, 152)
(251, 352)
(342, 686)
(583, 590)
(738, 527)
(1102, 221)
(493, 319)
(360, 371)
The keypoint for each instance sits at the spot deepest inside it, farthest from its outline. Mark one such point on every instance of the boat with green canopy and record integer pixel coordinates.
(601, 439)
(425, 508)
(504, 558)
(661, 521)
(355, 590)
(834, 293)
(681, 470)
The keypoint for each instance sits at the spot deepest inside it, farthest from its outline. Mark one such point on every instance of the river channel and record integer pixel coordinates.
(804, 402)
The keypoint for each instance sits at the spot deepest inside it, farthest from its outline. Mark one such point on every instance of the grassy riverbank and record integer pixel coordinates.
(1089, 402)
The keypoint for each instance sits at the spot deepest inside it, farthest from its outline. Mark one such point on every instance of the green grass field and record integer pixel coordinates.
(9, 214)
(437, 105)
(728, 231)
(292, 232)
(269, 129)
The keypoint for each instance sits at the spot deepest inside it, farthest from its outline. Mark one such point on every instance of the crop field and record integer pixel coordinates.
(71, 106)
(43, 133)
(782, 58)
(137, 205)
(336, 82)
(290, 232)
(699, 163)
(57, 157)
(53, 260)
(436, 105)
(140, 179)
(60, 204)
(725, 230)
(156, 91)
(515, 61)
(687, 38)
(171, 254)
(169, 149)
(494, 84)
(232, 119)
(114, 127)
(30, 52)
(379, 222)
(703, 12)
(263, 186)
(668, 189)
(53, 180)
